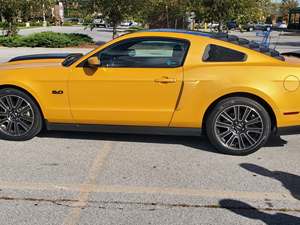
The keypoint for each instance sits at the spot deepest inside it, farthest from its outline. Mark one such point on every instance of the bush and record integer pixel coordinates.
(46, 39)
(14, 41)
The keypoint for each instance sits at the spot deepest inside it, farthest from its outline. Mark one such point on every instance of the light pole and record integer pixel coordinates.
(44, 16)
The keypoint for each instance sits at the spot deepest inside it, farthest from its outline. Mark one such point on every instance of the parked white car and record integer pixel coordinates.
(100, 22)
(281, 25)
(129, 24)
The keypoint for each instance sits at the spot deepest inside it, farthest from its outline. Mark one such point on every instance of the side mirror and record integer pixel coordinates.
(93, 62)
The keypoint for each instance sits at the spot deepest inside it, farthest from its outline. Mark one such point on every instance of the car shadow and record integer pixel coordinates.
(248, 211)
(199, 143)
(290, 181)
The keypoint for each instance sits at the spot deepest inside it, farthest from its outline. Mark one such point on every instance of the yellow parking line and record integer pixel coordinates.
(204, 193)
(188, 192)
(39, 186)
(85, 190)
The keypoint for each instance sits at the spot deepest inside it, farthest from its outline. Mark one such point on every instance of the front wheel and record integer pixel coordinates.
(20, 117)
(238, 126)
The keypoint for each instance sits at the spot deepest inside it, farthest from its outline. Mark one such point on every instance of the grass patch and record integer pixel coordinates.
(46, 40)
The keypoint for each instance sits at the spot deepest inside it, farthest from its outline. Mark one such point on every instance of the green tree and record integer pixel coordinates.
(255, 11)
(242, 11)
(115, 11)
(35, 9)
(10, 10)
(221, 11)
(166, 13)
(79, 8)
(286, 6)
(25, 10)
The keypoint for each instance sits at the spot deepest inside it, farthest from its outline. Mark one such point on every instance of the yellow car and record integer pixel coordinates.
(160, 82)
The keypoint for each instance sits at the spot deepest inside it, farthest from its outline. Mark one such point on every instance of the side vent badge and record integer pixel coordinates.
(58, 92)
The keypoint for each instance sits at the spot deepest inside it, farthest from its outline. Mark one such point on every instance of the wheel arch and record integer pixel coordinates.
(4, 86)
(254, 97)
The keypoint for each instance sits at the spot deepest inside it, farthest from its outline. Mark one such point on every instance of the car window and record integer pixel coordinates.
(145, 53)
(216, 53)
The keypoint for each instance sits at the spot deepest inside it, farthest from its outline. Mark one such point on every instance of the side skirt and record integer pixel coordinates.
(125, 129)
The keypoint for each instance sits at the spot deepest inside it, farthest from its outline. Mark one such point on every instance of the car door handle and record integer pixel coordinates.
(165, 80)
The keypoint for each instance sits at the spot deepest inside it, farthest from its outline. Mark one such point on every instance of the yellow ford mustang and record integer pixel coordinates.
(160, 81)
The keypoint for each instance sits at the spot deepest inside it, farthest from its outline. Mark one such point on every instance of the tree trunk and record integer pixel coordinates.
(220, 26)
(115, 30)
(9, 30)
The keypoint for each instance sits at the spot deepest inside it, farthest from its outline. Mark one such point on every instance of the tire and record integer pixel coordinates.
(20, 117)
(240, 135)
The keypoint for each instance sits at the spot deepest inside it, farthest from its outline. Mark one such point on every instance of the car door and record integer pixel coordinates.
(137, 83)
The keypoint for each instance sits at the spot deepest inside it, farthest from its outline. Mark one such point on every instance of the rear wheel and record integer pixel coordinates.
(238, 126)
(20, 117)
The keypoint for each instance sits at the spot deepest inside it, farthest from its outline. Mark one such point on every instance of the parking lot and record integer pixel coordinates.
(67, 178)
(84, 178)
(282, 41)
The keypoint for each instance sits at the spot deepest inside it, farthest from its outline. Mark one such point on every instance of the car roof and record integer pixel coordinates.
(179, 31)
(227, 38)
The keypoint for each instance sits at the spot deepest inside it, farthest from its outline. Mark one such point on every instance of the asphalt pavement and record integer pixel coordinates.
(67, 178)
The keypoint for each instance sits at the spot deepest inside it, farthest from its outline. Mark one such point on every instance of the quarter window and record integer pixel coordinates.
(146, 52)
(216, 53)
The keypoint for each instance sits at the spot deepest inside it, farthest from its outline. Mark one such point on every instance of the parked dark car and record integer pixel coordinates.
(73, 20)
(232, 25)
(249, 27)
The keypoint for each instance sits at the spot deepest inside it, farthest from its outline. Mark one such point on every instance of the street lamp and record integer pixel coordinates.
(44, 16)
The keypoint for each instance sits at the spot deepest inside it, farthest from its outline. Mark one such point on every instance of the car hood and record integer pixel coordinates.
(37, 61)
(58, 56)
(31, 64)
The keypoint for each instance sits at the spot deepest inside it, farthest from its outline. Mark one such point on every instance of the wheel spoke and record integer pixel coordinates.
(9, 102)
(19, 103)
(3, 105)
(236, 110)
(254, 121)
(3, 121)
(225, 134)
(255, 130)
(9, 127)
(241, 142)
(16, 129)
(227, 117)
(223, 125)
(246, 114)
(249, 139)
(26, 118)
(3, 114)
(230, 140)
(24, 125)
(25, 109)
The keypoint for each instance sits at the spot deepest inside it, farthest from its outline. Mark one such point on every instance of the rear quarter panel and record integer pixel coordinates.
(260, 75)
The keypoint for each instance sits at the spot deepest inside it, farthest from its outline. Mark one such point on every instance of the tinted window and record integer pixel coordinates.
(146, 52)
(215, 53)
